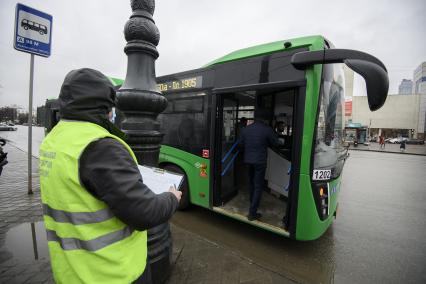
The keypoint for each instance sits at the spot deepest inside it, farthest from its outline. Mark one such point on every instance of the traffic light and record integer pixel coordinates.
(412, 131)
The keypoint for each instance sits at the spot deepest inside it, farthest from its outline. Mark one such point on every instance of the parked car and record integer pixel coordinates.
(397, 140)
(415, 141)
(5, 127)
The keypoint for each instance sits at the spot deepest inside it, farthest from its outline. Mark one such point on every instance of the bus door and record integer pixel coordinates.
(226, 148)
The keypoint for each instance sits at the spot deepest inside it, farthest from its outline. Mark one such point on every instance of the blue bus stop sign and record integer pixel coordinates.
(33, 31)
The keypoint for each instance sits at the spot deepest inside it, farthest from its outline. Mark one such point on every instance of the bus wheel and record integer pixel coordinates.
(184, 188)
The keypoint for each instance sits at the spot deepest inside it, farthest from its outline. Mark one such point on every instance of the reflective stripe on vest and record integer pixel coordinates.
(90, 245)
(81, 218)
(77, 218)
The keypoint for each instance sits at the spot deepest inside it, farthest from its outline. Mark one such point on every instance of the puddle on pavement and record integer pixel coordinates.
(27, 242)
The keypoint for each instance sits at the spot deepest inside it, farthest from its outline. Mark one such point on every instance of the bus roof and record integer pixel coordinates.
(316, 41)
(268, 48)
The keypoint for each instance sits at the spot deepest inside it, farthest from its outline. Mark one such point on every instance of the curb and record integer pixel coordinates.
(11, 144)
(379, 151)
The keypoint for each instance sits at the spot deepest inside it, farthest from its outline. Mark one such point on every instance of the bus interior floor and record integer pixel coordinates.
(271, 207)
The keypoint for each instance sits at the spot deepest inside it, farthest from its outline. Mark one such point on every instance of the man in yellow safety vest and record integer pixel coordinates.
(96, 207)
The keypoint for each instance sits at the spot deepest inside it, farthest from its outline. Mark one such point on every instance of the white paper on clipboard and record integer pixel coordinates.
(159, 180)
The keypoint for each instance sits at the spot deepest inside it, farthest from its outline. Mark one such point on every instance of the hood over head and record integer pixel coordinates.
(88, 95)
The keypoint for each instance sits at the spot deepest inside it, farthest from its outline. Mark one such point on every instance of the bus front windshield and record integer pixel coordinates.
(329, 150)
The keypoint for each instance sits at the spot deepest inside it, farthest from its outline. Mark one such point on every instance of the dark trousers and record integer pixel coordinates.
(145, 278)
(257, 184)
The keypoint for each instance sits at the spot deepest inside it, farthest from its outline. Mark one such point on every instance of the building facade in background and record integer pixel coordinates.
(406, 87)
(18, 115)
(401, 116)
(8, 114)
(349, 87)
(419, 79)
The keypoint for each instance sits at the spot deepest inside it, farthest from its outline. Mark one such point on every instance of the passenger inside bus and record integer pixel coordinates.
(273, 202)
(255, 140)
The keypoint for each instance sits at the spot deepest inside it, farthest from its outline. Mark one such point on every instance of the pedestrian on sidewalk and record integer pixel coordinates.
(96, 207)
(382, 142)
(402, 146)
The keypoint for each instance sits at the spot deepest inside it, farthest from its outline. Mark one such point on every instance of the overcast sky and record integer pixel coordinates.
(89, 33)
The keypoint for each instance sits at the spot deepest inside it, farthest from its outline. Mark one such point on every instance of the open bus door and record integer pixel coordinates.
(227, 149)
(231, 178)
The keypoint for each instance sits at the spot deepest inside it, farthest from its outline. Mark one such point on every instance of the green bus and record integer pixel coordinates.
(302, 84)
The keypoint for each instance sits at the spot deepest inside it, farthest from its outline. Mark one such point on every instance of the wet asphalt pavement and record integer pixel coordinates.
(379, 235)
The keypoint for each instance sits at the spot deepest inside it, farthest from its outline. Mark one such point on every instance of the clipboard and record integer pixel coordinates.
(159, 180)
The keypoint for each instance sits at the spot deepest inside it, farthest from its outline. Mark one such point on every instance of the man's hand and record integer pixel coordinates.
(176, 193)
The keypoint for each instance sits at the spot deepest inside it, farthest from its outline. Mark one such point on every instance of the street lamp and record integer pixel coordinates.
(138, 98)
(139, 103)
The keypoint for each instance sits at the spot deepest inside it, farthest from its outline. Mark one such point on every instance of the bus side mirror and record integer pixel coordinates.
(368, 66)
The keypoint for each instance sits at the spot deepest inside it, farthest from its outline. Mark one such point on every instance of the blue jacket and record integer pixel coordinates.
(256, 138)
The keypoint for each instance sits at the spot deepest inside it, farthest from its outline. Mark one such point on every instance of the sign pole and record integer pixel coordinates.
(30, 126)
(33, 34)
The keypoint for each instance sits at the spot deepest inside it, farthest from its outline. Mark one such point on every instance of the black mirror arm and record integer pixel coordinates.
(304, 59)
(376, 74)
(368, 66)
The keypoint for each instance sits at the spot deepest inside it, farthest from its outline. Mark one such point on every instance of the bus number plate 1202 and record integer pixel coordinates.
(321, 175)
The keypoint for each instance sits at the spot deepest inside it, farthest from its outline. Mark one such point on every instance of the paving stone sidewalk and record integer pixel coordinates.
(196, 260)
(17, 207)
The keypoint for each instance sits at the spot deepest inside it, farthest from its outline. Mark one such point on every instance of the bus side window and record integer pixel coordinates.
(184, 122)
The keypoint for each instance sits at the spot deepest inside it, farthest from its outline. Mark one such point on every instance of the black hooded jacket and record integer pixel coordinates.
(106, 168)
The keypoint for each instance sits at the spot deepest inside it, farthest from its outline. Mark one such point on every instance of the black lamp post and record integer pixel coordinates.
(139, 103)
(138, 98)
